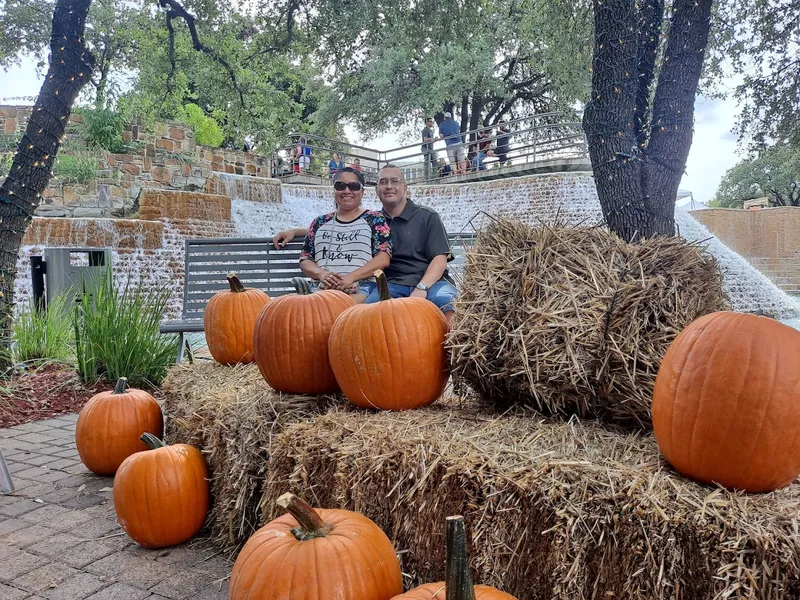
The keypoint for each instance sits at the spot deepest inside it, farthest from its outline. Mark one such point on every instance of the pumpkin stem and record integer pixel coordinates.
(152, 441)
(236, 285)
(458, 580)
(311, 524)
(383, 285)
(122, 385)
(301, 285)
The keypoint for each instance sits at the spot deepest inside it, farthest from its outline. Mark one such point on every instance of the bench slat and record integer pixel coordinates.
(238, 248)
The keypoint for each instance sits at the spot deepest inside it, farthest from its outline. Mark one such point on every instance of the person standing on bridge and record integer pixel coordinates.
(451, 132)
(420, 248)
(428, 154)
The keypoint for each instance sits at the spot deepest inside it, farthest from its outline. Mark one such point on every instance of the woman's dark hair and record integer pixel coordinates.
(355, 172)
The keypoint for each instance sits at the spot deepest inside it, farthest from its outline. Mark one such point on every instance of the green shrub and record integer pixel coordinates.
(206, 130)
(117, 334)
(76, 168)
(103, 129)
(43, 335)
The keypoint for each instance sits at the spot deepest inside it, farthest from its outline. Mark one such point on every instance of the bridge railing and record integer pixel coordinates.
(543, 137)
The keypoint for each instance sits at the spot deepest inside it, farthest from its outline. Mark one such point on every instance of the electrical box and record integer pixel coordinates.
(73, 270)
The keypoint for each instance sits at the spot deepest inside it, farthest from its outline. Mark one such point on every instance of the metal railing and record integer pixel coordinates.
(530, 140)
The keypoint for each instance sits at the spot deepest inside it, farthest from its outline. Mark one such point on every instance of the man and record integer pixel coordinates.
(428, 155)
(420, 247)
(451, 132)
(502, 143)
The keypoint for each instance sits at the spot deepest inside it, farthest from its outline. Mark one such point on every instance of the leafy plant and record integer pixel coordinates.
(117, 334)
(206, 130)
(43, 335)
(76, 168)
(103, 128)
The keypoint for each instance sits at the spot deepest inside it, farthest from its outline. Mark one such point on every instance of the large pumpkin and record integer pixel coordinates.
(726, 403)
(291, 339)
(110, 425)
(459, 580)
(161, 495)
(228, 322)
(390, 355)
(316, 553)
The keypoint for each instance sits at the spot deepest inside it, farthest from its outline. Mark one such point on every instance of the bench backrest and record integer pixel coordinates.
(258, 265)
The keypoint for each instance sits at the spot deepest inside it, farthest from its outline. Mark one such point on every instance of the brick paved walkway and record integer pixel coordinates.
(59, 539)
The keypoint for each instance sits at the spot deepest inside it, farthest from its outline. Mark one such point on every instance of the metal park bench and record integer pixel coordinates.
(257, 264)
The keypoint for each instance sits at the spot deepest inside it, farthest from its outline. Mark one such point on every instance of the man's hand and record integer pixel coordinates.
(419, 293)
(282, 238)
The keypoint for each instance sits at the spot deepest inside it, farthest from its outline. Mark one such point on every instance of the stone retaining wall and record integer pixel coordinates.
(165, 158)
(768, 238)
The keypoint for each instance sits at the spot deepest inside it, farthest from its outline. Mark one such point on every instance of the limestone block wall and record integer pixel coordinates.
(769, 239)
(165, 158)
(147, 252)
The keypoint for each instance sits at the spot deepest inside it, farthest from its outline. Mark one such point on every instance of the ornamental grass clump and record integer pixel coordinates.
(117, 334)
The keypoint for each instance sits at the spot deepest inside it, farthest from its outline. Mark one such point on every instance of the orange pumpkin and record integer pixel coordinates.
(291, 339)
(316, 553)
(459, 580)
(726, 403)
(390, 355)
(228, 322)
(161, 495)
(110, 424)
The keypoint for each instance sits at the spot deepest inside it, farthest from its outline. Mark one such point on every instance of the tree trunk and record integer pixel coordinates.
(638, 158)
(70, 68)
(102, 84)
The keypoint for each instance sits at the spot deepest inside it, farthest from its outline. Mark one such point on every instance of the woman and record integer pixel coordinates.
(343, 248)
(335, 165)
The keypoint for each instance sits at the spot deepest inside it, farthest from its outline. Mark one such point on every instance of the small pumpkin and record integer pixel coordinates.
(290, 339)
(390, 355)
(316, 553)
(228, 322)
(726, 402)
(161, 495)
(458, 584)
(110, 424)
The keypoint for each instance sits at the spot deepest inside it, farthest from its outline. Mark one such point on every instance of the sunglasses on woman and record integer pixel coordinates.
(353, 186)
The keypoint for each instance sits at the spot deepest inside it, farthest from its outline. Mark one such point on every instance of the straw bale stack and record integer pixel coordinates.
(574, 321)
(231, 415)
(560, 510)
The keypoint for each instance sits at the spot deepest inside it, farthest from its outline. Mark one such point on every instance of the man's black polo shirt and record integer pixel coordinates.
(418, 235)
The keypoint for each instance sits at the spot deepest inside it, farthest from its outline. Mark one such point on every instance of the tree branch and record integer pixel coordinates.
(294, 6)
(174, 11)
(650, 20)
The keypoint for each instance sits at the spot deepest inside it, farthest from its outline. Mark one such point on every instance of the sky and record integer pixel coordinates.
(713, 152)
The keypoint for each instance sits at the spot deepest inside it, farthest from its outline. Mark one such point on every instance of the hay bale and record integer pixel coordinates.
(568, 511)
(574, 320)
(232, 417)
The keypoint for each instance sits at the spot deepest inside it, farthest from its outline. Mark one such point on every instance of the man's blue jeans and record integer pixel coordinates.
(442, 293)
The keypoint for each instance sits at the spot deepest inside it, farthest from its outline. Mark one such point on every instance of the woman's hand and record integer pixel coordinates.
(331, 280)
(346, 282)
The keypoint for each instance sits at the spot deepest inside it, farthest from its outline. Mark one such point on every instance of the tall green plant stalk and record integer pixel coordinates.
(117, 334)
(43, 335)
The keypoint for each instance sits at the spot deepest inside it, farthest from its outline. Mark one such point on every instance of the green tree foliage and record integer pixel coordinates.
(110, 30)
(392, 60)
(772, 172)
(206, 130)
(265, 95)
(758, 41)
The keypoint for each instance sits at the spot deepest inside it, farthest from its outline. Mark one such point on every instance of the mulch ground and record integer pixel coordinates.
(43, 393)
